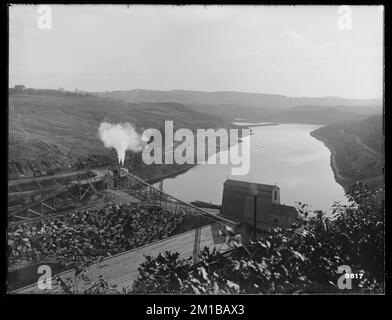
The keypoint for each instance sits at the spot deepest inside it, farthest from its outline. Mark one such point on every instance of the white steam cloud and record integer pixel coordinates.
(121, 136)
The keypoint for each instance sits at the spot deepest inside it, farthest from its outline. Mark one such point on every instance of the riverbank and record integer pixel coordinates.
(171, 174)
(180, 169)
(345, 182)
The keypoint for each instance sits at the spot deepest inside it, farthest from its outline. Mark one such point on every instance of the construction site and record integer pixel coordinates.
(194, 227)
(107, 220)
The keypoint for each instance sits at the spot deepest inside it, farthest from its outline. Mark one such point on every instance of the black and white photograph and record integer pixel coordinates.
(195, 150)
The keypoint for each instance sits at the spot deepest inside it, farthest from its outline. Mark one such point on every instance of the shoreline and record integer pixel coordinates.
(188, 166)
(170, 174)
(345, 182)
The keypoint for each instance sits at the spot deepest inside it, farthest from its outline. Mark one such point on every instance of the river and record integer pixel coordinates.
(285, 155)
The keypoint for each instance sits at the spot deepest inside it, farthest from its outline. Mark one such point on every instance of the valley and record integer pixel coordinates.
(54, 135)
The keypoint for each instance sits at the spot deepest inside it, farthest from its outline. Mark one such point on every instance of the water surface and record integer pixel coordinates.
(285, 155)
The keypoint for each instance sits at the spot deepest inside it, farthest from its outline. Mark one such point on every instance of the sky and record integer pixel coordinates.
(289, 50)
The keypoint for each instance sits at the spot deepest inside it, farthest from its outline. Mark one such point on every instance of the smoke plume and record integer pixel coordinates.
(121, 137)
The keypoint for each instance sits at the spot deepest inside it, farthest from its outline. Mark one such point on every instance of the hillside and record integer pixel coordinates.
(51, 132)
(308, 114)
(258, 107)
(370, 132)
(317, 114)
(231, 97)
(357, 150)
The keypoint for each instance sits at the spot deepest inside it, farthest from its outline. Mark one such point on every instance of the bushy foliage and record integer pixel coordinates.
(303, 259)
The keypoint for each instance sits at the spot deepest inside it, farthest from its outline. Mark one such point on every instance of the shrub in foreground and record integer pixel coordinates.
(304, 259)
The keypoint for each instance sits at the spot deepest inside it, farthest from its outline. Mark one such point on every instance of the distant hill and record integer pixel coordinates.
(258, 107)
(318, 114)
(363, 109)
(357, 150)
(231, 98)
(309, 114)
(231, 112)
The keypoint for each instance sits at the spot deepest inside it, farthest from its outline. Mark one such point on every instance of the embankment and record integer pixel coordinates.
(344, 181)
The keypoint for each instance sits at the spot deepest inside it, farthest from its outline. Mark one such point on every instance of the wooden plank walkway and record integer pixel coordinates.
(121, 269)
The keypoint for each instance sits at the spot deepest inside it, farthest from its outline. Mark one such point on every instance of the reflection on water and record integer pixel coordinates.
(284, 154)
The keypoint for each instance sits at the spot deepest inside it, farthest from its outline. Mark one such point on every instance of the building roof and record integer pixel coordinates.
(250, 185)
(283, 210)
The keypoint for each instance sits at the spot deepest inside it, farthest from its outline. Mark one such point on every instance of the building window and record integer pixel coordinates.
(275, 195)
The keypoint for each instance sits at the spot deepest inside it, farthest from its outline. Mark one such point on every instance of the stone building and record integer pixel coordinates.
(256, 204)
